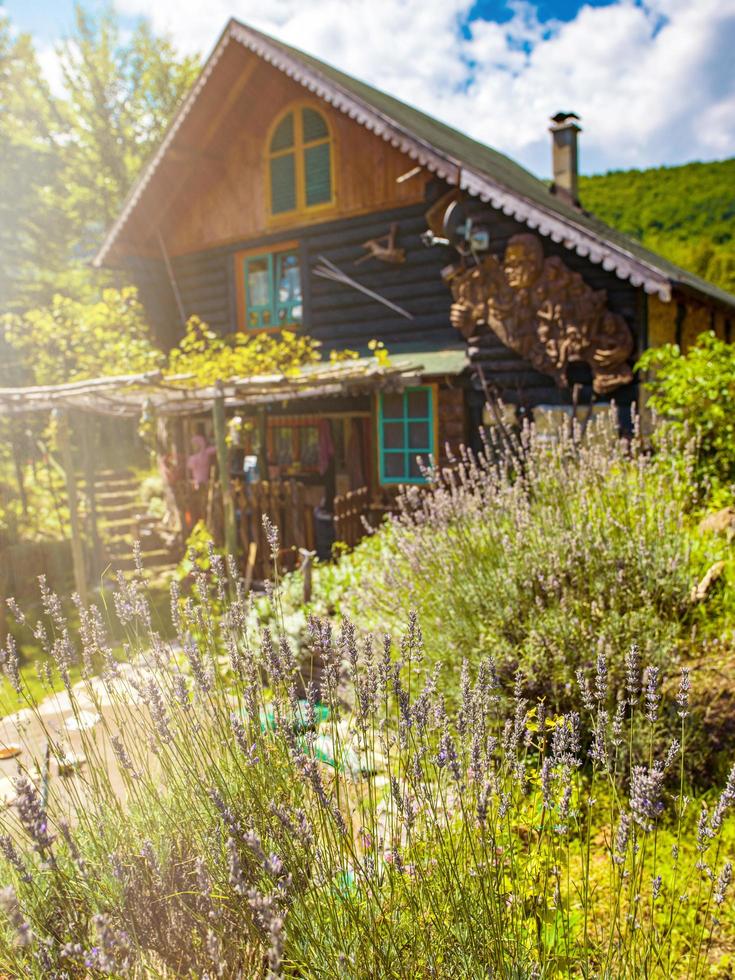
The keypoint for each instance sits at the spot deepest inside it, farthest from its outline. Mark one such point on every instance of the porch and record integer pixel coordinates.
(321, 452)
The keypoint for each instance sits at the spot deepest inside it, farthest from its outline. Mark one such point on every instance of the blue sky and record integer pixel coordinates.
(651, 79)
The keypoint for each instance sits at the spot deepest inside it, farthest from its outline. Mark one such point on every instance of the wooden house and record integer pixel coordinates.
(288, 194)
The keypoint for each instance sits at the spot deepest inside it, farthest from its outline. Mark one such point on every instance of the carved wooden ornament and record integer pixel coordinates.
(384, 249)
(545, 312)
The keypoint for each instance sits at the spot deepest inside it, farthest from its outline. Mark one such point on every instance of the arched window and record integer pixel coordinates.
(300, 162)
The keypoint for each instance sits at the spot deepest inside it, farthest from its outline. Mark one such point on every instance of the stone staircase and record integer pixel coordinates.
(122, 519)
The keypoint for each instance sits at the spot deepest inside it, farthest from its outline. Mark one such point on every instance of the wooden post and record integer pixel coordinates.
(262, 444)
(77, 545)
(87, 429)
(220, 441)
(307, 567)
(16, 440)
(296, 506)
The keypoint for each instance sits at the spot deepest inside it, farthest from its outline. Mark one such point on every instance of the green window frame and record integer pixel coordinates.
(405, 433)
(272, 290)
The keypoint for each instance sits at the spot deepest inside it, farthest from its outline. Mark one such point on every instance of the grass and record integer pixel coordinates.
(35, 689)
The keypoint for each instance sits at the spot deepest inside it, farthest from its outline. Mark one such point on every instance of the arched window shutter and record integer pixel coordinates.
(313, 126)
(317, 174)
(283, 184)
(300, 162)
(283, 166)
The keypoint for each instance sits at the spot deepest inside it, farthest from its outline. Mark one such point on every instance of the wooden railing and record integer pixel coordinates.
(349, 511)
(285, 505)
(356, 512)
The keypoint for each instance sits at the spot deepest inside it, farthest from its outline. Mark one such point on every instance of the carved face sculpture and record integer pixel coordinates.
(524, 260)
(544, 311)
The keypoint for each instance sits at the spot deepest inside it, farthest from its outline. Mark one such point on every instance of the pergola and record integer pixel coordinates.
(177, 396)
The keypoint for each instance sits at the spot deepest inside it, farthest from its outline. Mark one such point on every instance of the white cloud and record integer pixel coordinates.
(652, 80)
(51, 67)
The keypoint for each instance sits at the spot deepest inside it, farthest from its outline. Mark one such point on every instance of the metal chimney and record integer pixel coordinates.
(564, 131)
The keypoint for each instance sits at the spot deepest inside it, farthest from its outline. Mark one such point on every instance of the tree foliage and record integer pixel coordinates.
(119, 97)
(71, 340)
(209, 357)
(29, 166)
(695, 393)
(686, 213)
(69, 159)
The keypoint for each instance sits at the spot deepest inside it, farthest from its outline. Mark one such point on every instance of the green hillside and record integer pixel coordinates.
(686, 214)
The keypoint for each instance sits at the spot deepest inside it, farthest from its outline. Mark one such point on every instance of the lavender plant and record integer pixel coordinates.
(586, 548)
(244, 812)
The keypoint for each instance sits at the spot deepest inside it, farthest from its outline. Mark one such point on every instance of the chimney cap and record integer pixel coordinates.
(564, 117)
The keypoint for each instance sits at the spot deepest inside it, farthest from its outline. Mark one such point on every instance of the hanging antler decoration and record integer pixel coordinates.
(384, 249)
(328, 270)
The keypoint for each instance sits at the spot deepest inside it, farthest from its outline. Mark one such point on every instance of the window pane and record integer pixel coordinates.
(418, 404)
(314, 126)
(283, 445)
(258, 291)
(283, 136)
(318, 174)
(393, 464)
(418, 436)
(283, 184)
(392, 406)
(258, 282)
(414, 470)
(288, 288)
(309, 446)
(393, 435)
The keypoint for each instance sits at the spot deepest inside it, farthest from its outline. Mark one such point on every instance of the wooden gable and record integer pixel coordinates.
(221, 192)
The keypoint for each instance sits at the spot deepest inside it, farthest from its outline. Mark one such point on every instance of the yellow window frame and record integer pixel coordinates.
(298, 150)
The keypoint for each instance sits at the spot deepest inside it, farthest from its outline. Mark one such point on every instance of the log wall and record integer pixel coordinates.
(340, 317)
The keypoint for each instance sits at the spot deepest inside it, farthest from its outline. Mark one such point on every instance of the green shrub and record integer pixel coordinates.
(695, 395)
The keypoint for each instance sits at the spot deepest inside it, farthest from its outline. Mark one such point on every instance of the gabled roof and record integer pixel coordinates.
(453, 156)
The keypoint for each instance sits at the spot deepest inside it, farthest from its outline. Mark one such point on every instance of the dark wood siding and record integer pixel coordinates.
(157, 297)
(342, 317)
(339, 316)
(335, 314)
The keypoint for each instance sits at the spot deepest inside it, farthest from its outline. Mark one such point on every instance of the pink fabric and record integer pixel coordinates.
(200, 461)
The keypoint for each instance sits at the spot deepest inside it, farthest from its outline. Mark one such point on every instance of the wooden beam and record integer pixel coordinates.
(262, 444)
(232, 96)
(220, 442)
(77, 387)
(77, 544)
(172, 279)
